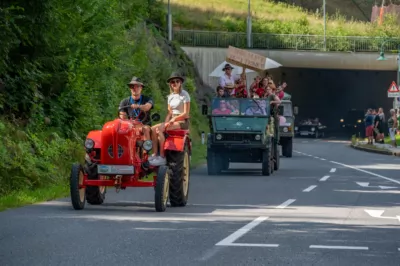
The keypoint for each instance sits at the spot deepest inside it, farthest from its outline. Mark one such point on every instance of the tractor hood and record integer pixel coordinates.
(118, 142)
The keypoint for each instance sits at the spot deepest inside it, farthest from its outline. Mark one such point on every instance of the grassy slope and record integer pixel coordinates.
(269, 17)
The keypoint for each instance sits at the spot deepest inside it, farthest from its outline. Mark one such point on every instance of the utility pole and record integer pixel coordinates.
(169, 22)
(249, 26)
(324, 7)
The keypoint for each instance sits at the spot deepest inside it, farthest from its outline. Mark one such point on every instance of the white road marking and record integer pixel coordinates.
(378, 214)
(240, 232)
(333, 170)
(252, 245)
(367, 172)
(322, 159)
(366, 184)
(324, 178)
(285, 204)
(339, 247)
(310, 188)
(316, 157)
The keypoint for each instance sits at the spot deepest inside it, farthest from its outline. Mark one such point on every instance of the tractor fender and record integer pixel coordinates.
(95, 135)
(175, 141)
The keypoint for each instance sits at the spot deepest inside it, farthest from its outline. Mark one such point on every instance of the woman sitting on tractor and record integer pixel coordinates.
(177, 117)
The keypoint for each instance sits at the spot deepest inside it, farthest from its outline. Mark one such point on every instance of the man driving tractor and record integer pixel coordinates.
(137, 106)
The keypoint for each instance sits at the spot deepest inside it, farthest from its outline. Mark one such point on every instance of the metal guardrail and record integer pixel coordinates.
(285, 41)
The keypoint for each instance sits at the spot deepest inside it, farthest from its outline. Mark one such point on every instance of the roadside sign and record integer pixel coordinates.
(393, 90)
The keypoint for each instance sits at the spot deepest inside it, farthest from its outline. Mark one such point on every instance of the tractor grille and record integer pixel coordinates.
(110, 151)
(120, 151)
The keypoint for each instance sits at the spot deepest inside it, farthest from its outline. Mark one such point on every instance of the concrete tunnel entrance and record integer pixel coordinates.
(329, 94)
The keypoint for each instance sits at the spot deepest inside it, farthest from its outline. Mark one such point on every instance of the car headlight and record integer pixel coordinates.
(285, 129)
(313, 129)
(218, 136)
(147, 145)
(89, 144)
(257, 137)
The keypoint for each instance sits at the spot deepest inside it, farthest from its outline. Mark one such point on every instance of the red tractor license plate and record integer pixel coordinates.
(115, 169)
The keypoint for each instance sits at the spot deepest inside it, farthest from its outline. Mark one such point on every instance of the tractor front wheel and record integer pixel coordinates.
(161, 189)
(179, 163)
(78, 195)
(95, 195)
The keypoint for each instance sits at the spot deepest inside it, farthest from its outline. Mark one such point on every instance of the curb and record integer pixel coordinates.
(385, 152)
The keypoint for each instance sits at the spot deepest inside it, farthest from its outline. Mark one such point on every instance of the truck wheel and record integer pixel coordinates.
(276, 158)
(179, 164)
(161, 189)
(288, 148)
(77, 195)
(266, 162)
(94, 195)
(213, 163)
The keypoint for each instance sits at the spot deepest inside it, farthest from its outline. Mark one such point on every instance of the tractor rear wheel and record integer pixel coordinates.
(94, 195)
(161, 189)
(179, 164)
(78, 195)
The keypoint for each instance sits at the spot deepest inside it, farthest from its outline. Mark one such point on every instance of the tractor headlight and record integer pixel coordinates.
(218, 136)
(147, 145)
(89, 144)
(257, 137)
(285, 129)
(313, 129)
(359, 121)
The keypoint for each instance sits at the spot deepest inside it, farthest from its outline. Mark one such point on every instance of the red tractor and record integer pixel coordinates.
(117, 156)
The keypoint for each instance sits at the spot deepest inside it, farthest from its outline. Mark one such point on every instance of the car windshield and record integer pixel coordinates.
(287, 109)
(240, 107)
(240, 123)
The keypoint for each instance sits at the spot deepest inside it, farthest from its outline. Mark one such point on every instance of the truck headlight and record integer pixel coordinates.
(89, 144)
(257, 137)
(313, 129)
(285, 129)
(218, 136)
(147, 145)
(296, 128)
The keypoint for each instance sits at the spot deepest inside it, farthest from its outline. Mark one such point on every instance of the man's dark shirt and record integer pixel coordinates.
(369, 120)
(131, 112)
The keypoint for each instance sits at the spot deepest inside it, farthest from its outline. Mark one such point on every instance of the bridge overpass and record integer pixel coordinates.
(325, 78)
(207, 49)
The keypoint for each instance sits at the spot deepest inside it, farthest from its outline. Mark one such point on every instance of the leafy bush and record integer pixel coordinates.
(65, 65)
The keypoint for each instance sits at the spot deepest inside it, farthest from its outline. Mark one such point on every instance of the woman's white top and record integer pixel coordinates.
(177, 101)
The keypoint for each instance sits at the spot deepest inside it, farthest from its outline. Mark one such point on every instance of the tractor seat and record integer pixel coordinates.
(178, 132)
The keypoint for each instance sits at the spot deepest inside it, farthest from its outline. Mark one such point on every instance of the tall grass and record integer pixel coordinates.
(272, 17)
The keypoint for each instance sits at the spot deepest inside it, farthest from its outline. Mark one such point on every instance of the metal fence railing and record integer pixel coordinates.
(285, 41)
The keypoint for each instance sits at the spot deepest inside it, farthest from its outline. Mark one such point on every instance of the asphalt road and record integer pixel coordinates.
(311, 212)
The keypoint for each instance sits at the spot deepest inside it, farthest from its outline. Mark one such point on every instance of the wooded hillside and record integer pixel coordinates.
(64, 68)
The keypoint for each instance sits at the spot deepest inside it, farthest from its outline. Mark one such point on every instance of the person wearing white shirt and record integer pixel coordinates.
(227, 79)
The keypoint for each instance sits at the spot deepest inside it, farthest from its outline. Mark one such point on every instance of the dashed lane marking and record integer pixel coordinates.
(324, 178)
(333, 170)
(310, 188)
(285, 204)
(339, 247)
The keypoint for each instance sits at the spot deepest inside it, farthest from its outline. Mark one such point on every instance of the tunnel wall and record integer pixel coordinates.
(328, 94)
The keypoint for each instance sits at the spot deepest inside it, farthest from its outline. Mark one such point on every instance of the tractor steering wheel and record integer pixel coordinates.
(141, 114)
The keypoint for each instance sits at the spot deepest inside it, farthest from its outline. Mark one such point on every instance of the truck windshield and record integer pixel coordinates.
(240, 123)
(287, 109)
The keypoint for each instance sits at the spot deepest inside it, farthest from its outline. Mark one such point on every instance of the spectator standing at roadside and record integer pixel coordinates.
(369, 126)
(392, 125)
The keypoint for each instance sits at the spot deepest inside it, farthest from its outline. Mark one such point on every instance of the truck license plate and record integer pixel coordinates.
(115, 169)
